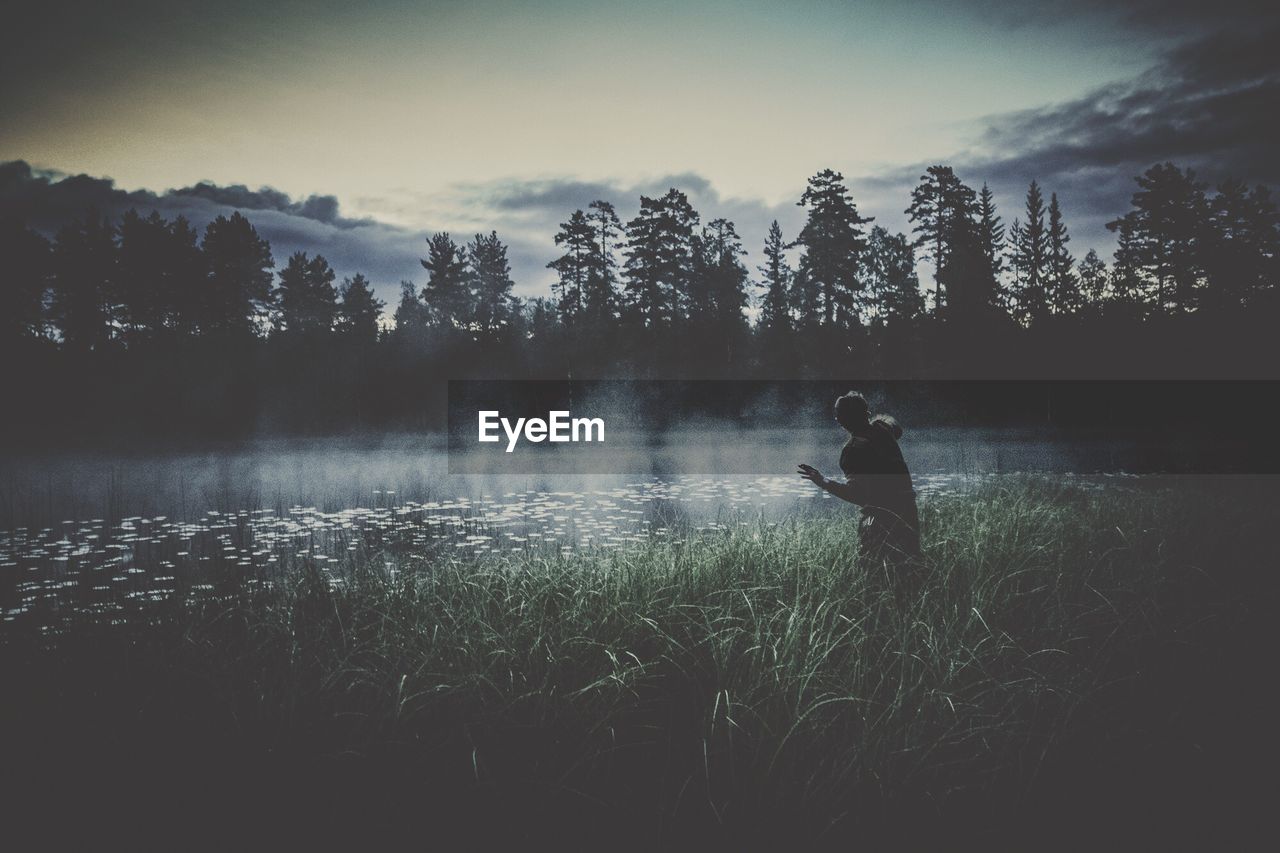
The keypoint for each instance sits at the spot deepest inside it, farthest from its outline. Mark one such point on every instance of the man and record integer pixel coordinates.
(876, 479)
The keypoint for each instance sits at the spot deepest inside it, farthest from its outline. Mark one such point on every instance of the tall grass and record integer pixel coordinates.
(750, 684)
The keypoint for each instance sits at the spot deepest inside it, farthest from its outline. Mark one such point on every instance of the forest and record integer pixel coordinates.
(146, 327)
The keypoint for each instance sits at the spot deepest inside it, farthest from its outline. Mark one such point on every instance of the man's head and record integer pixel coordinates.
(852, 410)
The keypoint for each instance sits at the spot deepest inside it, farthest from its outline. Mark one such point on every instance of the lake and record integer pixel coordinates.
(92, 530)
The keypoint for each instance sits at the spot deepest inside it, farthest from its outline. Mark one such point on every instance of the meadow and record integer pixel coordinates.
(1069, 661)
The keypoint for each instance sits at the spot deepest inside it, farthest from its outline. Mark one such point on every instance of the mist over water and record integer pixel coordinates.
(336, 474)
(94, 531)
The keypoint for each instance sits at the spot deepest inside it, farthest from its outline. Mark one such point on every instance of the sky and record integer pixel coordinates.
(355, 132)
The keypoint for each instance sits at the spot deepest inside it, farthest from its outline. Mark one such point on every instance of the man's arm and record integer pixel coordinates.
(846, 491)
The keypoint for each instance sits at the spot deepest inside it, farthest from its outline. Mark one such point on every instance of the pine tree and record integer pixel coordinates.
(359, 310)
(1092, 273)
(991, 234)
(1242, 246)
(834, 243)
(726, 283)
(447, 294)
(600, 299)
(1061, 288)
(943, 209)
(660, 259)
(893, 287)
(1030, 246)
(1128, 286)
(574, 267)
(307, 303)
(775, 307)
(493, 306)
(238, 264)
(411, 317)
(1169, 227)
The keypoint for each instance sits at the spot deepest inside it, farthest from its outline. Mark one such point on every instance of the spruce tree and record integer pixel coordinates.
(1029, 290)
(991, 234)
(1062, 289)
(775, 307)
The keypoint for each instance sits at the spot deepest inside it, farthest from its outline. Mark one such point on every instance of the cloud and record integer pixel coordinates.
(1209, 104)
(386, 253)
(321, 208)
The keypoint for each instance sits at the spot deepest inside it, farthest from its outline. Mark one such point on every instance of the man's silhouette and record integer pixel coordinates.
(876, 479)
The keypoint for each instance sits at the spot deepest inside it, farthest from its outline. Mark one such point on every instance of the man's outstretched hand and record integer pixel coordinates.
(813, 475)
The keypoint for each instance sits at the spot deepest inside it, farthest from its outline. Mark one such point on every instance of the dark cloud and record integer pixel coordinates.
(1209, 104)
(560, 197)
(386, 253)
(321, 208)
(1172, 17)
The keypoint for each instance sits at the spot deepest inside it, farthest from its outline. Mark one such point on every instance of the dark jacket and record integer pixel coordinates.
(873, 462)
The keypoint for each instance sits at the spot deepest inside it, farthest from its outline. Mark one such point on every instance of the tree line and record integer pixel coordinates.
(667, 294)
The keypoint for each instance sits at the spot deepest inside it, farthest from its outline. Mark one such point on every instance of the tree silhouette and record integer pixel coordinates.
(833, 243)
(775, 306)
(447, 293)
(600, 299)
(854, 303)
(575, 266)
(1061, 286)
(238, 290)
(943, 210)
(161, 272)
(1030, 261)
(185, 275)
(1242, 245)
(25, 267)
(893, 286)
(306, 299)
(411, 316)
(359, 310)
(1168, 225)
(660, 259)
(493, 306)
(84, 291)
(718, 291)
(991, 235)
(1128, 288)
(1092, 276)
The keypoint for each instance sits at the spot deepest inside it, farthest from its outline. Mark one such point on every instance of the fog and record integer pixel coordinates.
(334, 474)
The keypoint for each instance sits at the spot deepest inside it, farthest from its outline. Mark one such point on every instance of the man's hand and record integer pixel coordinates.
(813, 475)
